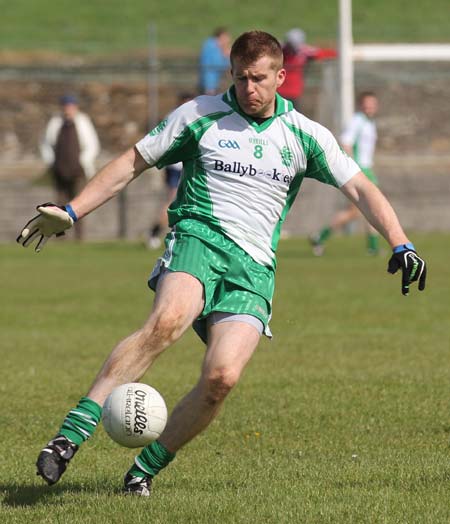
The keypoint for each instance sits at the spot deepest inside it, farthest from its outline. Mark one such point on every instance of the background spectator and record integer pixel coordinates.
(296, 55)
(214, 61)
(69, 149)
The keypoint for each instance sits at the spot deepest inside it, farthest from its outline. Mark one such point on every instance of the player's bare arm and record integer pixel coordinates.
(109, 181)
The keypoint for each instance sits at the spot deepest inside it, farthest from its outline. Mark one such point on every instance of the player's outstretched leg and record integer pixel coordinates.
(178, 302)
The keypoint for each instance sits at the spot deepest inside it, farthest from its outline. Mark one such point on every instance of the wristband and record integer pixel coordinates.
(404, 247)
(72, 214)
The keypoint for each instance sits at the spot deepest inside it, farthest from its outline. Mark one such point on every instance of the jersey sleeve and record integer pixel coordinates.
(326, 162)
(170, 141)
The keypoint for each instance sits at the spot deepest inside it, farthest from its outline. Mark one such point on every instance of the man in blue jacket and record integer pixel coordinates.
(214, 61)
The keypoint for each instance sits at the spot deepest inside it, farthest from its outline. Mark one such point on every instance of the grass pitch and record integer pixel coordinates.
(343, 418)
(118, 27)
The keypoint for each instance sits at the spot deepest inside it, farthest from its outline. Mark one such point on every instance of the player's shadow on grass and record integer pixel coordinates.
(22, 496)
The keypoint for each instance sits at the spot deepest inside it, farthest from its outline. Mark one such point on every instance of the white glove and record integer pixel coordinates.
(52, 220)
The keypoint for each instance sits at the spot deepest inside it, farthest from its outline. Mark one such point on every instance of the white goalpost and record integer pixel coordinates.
(349, 53)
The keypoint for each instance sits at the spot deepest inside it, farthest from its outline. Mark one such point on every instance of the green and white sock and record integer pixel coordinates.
(152, 459)
(372, 243)
(324, 234)
(81, 421)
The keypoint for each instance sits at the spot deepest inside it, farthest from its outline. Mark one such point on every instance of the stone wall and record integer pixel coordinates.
(413, 156)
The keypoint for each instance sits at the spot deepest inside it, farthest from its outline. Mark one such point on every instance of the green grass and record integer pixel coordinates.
(343, 418)
(113, 26)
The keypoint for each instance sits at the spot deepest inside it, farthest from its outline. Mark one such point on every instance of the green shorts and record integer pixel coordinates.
(232, 281)
(370, 175)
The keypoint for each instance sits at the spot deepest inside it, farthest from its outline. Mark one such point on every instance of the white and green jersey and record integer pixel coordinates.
(361, 136)
(241, 177)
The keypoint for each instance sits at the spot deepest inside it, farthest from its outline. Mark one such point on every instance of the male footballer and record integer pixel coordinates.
(245, 153)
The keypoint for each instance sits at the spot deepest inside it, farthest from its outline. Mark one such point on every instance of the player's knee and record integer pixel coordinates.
(218, 383)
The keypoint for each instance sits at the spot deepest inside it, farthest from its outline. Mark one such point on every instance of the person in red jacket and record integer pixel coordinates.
(296, 55)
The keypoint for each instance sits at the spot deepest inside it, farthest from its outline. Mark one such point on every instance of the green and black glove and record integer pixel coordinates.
(413, 268)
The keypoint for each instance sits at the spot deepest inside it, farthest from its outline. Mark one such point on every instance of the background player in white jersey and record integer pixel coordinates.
(358, 140)
(245, 154)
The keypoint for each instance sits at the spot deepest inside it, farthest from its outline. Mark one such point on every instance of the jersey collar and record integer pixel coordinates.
(281, 106)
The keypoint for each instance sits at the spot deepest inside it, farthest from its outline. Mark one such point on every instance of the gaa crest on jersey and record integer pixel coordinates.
(286, 156)
(228, 144)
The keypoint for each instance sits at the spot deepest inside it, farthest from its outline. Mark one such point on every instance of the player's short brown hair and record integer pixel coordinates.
(252, 45)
